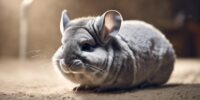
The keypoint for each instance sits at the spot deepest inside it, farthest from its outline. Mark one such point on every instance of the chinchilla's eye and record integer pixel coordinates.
(87, 47)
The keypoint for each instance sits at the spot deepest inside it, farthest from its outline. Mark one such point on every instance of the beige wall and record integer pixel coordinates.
(44, 16)
(9, 28)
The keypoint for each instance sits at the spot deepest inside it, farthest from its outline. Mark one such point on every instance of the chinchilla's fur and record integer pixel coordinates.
(106, 52)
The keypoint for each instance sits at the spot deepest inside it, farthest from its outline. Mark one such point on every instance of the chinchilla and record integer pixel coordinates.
(105, 52)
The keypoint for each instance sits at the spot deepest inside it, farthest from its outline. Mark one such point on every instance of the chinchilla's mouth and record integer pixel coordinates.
(74, 66)
(76, 62)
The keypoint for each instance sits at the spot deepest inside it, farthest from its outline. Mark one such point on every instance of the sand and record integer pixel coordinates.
(37, 80)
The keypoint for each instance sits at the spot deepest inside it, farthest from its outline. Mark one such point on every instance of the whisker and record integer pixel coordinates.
(96, 68)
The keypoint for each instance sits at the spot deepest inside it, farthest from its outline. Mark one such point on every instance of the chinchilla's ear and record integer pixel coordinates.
(108, 25)
(64, 21)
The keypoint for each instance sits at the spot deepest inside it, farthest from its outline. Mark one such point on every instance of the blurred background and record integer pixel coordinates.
(29, 29)
(179, 20)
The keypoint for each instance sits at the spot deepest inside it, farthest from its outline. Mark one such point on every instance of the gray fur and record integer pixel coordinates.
(121, 54)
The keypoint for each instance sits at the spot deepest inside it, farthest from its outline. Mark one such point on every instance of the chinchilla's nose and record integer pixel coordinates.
(62, 62)
(69, 60)
(63, 66)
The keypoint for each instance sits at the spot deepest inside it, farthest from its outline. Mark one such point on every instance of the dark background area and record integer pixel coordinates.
(179, 20)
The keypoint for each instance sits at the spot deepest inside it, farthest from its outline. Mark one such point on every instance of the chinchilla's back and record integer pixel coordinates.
(150, 48)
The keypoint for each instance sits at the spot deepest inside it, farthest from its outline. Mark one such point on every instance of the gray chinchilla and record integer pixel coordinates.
(105, 52)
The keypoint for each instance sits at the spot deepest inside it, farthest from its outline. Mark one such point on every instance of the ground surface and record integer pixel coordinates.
(37, 80)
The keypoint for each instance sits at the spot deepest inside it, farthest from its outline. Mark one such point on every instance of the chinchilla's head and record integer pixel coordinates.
(85, 53)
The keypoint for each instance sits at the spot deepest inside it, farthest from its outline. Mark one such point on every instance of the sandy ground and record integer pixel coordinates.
(37, 80)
